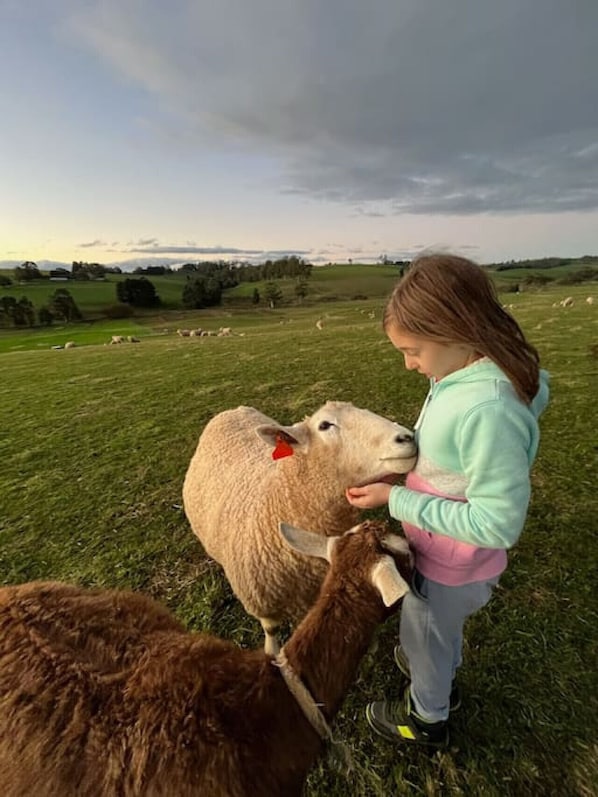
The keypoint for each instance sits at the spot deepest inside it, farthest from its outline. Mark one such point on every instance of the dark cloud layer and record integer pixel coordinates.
(418, 107)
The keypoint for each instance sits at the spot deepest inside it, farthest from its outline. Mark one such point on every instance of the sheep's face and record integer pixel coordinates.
(360, 446)
(369, 548)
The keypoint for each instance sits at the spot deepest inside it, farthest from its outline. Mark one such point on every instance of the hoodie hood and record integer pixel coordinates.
(486, 369)
(540, 400)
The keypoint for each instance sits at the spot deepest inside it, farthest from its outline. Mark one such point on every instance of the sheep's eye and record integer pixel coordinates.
(325, 425)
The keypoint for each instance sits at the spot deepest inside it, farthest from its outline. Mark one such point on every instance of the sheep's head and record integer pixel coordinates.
(360, 446)
(370, 547)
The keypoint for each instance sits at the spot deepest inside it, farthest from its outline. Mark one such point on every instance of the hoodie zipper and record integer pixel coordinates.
(427, 400)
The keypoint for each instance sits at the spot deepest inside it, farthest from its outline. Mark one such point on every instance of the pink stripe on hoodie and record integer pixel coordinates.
(444, 559)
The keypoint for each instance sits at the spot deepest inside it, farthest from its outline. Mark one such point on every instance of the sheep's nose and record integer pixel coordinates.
(404, 438)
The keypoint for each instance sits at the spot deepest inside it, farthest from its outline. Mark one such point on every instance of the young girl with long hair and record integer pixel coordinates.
(466, 501)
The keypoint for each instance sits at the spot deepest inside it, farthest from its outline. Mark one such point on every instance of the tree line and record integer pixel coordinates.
(203, 288)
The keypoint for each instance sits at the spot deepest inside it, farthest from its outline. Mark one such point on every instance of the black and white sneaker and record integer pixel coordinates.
(398, 721)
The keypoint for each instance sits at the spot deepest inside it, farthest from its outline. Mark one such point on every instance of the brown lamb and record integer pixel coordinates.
(104, 693)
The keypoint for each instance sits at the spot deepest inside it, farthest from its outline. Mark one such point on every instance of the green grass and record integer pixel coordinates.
(94, 448)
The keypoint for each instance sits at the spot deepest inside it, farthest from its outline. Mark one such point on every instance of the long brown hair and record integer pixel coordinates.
(452, 300)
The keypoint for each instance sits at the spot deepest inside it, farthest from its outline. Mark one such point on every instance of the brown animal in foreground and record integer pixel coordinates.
(104, 693)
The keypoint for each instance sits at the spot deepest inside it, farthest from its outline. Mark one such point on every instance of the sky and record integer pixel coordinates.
(139, 131)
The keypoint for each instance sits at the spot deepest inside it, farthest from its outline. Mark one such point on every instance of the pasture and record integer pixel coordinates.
(94, 448)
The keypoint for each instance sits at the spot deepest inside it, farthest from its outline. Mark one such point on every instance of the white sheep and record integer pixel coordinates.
(104, 692)
(590, 300)
(238, 488)
(568, 302)
(183, 333)
(70, 344)
(117, 339)
(319, 324)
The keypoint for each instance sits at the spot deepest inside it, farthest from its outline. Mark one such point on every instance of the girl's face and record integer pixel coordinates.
(429, 357)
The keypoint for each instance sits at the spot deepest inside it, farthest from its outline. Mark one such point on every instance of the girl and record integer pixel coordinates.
(466, 500)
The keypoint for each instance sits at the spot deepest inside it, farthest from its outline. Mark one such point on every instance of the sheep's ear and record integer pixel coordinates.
(388, 581)
(307, 542)
(295, 435)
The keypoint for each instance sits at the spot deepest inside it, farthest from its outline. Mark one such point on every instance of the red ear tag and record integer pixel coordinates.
(283, 449)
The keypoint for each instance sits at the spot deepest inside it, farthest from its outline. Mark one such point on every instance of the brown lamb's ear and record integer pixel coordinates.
(388, 581)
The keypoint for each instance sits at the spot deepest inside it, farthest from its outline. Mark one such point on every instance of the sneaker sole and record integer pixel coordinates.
(392, 736)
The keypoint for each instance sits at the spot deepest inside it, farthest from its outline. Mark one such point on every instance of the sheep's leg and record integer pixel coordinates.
(271, 644)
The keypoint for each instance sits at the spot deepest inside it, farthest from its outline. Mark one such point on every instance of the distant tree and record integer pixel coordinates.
(272, 294)
(301, 289)
(535, 280)
(584, 274)
(201, 292)
(27, 272)
(153, 271)
(5, 281)
(45, 316)
(7, 309)
(86, 271)
(255, 298)
(24, 313)
(80, 274)
(137, 292)
(63, 306)
(291, 266)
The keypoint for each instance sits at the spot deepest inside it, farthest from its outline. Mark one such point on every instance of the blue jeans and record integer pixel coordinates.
(431, 633)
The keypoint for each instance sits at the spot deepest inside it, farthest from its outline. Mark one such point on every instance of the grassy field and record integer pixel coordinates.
(94, 448)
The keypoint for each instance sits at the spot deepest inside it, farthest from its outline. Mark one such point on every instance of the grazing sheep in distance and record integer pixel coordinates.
(237, 489)
(319, 324)
(225, 331)
(183, 333)
(104, 692)
(590, 300)
(568, 302)
(70, 344)
(117, 339)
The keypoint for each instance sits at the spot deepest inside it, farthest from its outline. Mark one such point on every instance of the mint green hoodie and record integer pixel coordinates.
(467, 498)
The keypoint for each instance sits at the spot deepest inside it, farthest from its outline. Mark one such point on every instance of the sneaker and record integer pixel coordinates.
(403, 665)
(398, 721)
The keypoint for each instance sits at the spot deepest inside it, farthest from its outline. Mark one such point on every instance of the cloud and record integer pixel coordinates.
(437, 107)
(147, 242)
(186, 249)
(92, 244)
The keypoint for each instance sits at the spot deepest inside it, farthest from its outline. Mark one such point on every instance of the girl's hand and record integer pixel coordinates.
(369, 497)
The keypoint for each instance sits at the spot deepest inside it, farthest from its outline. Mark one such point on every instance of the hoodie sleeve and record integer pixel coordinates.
(497, 447)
